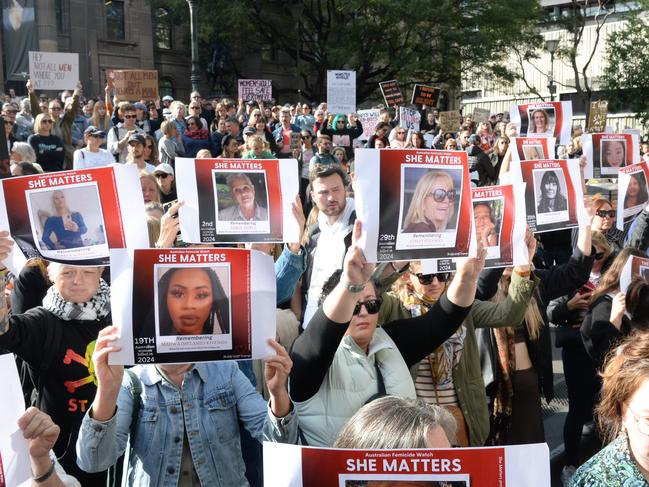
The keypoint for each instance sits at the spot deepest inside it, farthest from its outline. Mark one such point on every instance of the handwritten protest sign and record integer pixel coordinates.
(341, 91)
(450, 121)
(425, 95)
(369, 119)
(597, 116)
(391, 93)
(409, 118)
(255, 89)
(135, 84)
(53, 70)
(481, 114)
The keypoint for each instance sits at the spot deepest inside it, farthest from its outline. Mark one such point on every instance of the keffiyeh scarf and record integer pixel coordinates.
(98, 307)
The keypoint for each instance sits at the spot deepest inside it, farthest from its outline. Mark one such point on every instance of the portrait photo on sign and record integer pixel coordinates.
(487, 215)
(66, 218)
(430, 199)
(612, 155)
(193, 308)
(541, 121)
(636, 191)
(550, 195)
(241, 196)
(644, 272)
(533, 152)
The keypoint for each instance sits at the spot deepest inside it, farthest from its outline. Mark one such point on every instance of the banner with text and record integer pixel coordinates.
(597, 116)
(547, 119)
(450, 121)
(532, 148)
(53, 70)
(606, 153)
(369, 119)
(425, 95)
(341, 92)
(409, 118)
(255, 89)
(135, 84)
(391, 93)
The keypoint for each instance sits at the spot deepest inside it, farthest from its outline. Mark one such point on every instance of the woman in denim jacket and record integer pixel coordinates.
(187, 432)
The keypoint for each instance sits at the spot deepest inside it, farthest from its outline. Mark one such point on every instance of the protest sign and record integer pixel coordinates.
(547, 119)
(15, 466)
(391, 93)
(255, 89)
(400, 220)
(409, 118)
(73, 217)
(632, 192)
(369, 119)
(341, 92)
(296, 140)
(53, 70)
(606, 153)
(634, 267)
(237, 200)
(298, 466)
(597, 116)
(532, 148)
(235, 291)
(481, 115)
(450, 121)
(553, 193)
(135, 84)
(425, 95)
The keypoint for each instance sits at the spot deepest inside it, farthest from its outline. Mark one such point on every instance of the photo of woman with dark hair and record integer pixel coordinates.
(636, 191)
(192, 301)
(551, 198)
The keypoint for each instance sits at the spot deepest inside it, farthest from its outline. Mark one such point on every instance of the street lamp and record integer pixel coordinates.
(193, 20)
(551, 46)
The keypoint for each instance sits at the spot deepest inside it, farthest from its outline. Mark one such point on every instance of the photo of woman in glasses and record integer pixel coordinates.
(432, 207)
(551, 199)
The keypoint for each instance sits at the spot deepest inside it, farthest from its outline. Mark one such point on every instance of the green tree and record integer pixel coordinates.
(415, 41)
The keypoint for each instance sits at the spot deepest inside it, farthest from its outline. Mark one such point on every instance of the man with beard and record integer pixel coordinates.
(330, 236)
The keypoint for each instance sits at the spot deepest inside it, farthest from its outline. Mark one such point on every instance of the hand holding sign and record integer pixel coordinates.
(109, 377)
(356, 268)
(276, 371)
(617, 310)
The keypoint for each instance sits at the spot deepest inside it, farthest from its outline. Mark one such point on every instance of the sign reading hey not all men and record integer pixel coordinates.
(53, 70)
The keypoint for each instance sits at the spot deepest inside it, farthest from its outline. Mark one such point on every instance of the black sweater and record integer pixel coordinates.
(314, 350)
(597, 331)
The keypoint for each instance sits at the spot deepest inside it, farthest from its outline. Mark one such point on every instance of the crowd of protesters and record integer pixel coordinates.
(468, 353)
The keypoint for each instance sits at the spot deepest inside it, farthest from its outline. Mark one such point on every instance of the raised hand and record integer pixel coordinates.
(40, 432)
(276, 370)
(355, 267)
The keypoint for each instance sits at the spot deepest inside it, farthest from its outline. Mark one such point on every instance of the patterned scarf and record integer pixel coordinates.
(97, 307)
(503, 402)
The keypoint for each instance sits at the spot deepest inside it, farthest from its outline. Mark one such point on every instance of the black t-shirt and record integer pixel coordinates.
(49, 151)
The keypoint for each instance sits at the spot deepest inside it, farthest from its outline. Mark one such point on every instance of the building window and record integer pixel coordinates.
(162, 29)
(165, 87)
(60, 7)
(115, 20)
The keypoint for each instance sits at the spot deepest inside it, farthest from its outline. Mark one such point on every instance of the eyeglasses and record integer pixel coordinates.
(46, 121)
(162, 175)
(56, 109)
(439, 195)
(306, 137)
(599, 255)
(130, 116)
(371, 305)
(426, 279)
(643, 423)
(605, 213)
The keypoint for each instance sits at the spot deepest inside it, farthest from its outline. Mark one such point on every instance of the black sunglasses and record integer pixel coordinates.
(162, 175)
(599, 255)
(371, 305)
(439, 195)
(606, 213)
(426, 279)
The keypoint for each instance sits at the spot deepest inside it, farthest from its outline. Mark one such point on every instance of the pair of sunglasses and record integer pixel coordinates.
(426, 279)
(606, 213)
(371, 305)
(599, 255)
(440, 195)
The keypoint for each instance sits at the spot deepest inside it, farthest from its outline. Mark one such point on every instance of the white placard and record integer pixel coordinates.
(341, 92)
(53, 70)
(369, 119)
(632, 192)
(409, 118)
(606, 153)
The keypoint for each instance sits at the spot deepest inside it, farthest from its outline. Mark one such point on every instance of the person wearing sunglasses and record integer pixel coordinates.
(342, 360)
(164, 175)
(119, 135)
(433, 204)
(604, 221)
(92, 155)
(48, 147)
(399, 138)
(623, 417)
(343, 133)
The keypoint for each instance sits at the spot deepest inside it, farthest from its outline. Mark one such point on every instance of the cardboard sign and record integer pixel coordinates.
(450, 121)
(632, 192)
(425, 95)
(506, 466)
(237, 200)
(481, 115)
(238, 292)
(532, 148)
(392, 188)
(53, 70)
(634, 267)
(369, 119)
(597, 116)
(409, 118)
(553, 193)
(548, 119)
(606, 153)
(135, 84)
(255, 89)
(391, 93)
(341, 92)
(73, 217)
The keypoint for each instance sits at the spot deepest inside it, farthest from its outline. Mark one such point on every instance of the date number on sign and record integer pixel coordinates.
(144, 360)
(387, 237)
(143, 341)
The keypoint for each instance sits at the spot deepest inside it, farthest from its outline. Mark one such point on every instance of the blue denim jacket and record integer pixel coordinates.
(288, 270)
(215, 396)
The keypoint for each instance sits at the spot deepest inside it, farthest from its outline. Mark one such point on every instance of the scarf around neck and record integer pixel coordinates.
(199, 134)
(98, 306)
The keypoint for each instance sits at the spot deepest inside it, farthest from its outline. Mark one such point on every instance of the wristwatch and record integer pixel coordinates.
(352, 288)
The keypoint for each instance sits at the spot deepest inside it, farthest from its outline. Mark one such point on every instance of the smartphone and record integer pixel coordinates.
(166, 206)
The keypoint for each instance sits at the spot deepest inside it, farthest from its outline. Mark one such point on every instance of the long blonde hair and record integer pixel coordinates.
(533, 319)
(102, 123)
(416, 210)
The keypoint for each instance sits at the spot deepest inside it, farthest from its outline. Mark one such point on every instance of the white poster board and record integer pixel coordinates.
(341, 92)
(409, 118)
(369, 119)
(53, 70)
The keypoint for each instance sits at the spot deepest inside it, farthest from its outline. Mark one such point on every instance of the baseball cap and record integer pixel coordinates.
(139, 106)
(167, 98)
(94, 131)
(165, 168)
(249, 131)
(474, 139)
(139, 138)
